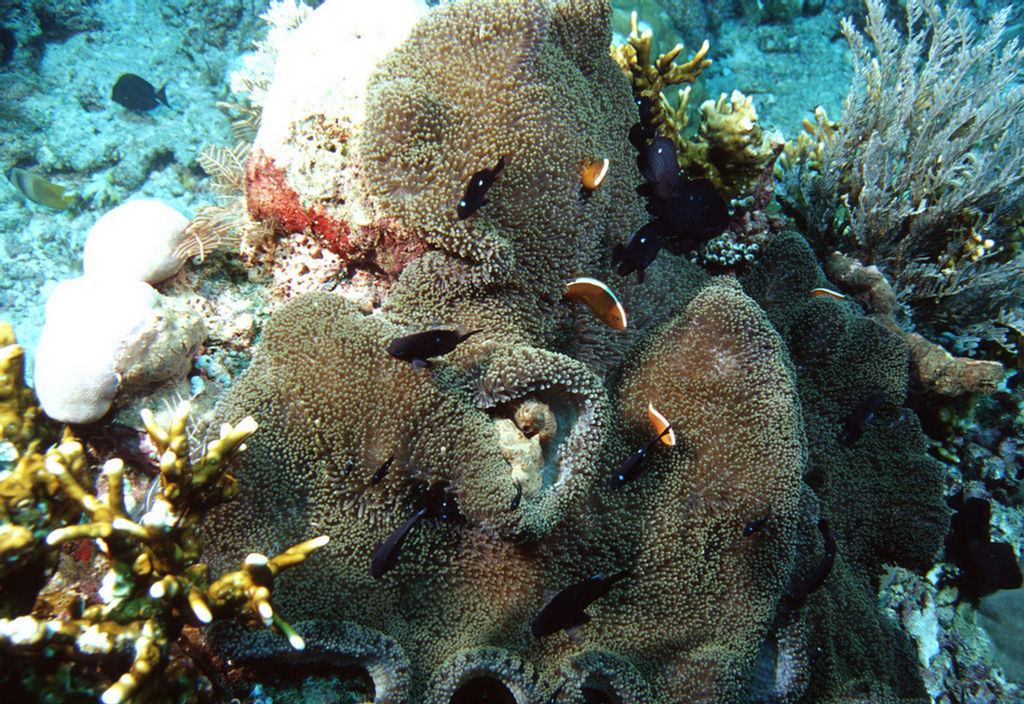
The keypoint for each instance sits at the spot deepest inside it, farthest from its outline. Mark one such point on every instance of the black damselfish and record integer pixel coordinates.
(658, 164)
(796, 595)
(419, 347)
(638, 253)
(646, 111)
(386, 554)
(686, 213)
(479, 183)
(136, 93)
(857, 421)
(693, 214)
(985, 566)
(381, 472)
(632, 467)
(565, 610)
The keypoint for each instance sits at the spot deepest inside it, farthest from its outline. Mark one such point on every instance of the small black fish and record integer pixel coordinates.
(694, 213)
(658, 164)
(381, 472)
(446, 509)
(632, 467)
(565, 610)
(638, 253)
(477, 189)
(518, 497)
(985, 566)
(796, 596)
(386, 554)
(1013, 383)
(638, 138)
(757, 524)
(136, 93)
(8, 43)
(646, 110)
(857, 421)
(420, 346)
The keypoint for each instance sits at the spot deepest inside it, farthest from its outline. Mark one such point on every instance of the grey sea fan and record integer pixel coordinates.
(981, 300)
(926, 149)
(926, 159)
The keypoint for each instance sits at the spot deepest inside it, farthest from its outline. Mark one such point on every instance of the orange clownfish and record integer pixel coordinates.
(601, 300)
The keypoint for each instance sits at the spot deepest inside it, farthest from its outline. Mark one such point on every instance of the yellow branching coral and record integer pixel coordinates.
(156, 583)
(20, 414)
(29, 503)
(731, 148)
(809, 145)
(650, 78)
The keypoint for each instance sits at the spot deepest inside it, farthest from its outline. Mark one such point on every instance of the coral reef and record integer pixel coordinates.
(430, 128)
(136, 241)
(935, 370)
(300, 174)
(155, 583)
(746, 558)
(720, 534)
(109, 332)
(21, 420)
(650, 79)
(471, 561)
(731, 148)
(882, 495)
(721, 371)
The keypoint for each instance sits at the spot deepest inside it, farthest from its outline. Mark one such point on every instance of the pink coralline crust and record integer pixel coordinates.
(271, 199)
(384, 245)
(333, 233)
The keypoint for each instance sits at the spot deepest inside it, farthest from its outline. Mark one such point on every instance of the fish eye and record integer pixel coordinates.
(462, 204)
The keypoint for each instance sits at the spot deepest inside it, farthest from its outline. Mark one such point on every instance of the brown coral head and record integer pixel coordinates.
(728, 491)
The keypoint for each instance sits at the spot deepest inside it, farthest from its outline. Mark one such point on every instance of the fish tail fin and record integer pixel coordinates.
(161, 95)
(68, 198)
